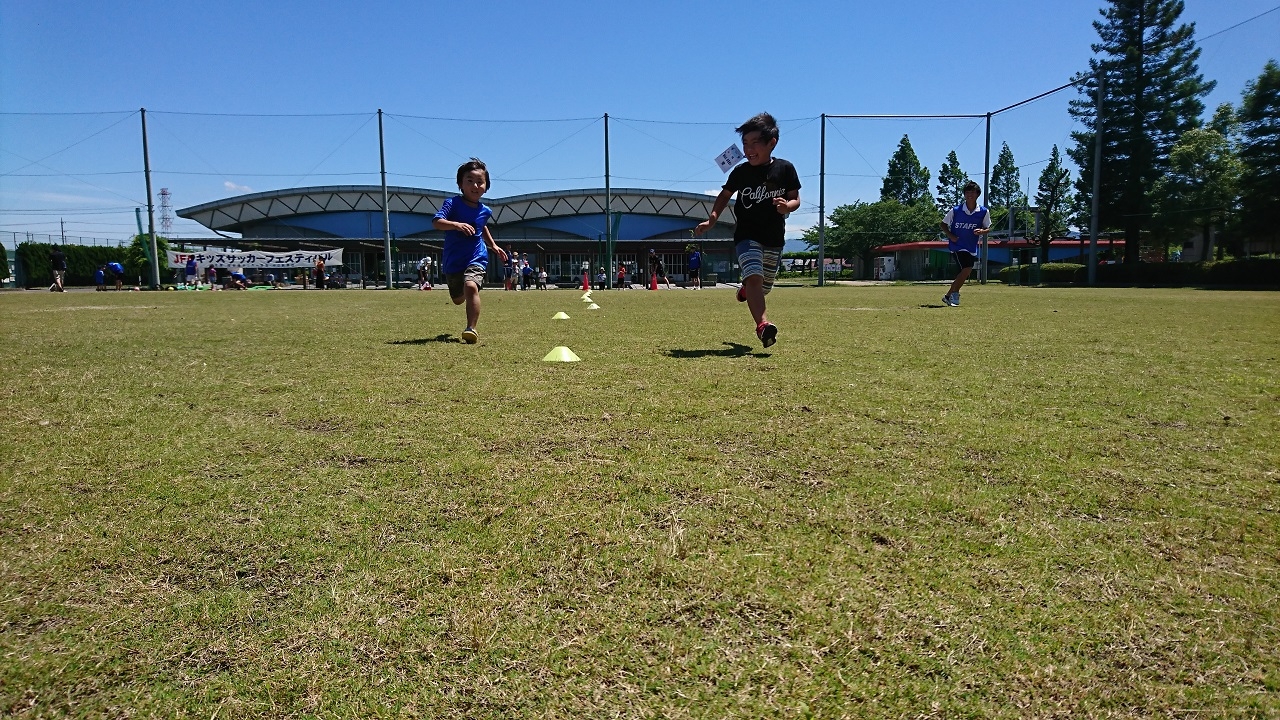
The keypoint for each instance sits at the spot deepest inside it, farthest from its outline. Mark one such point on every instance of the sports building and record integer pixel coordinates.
(558, 231)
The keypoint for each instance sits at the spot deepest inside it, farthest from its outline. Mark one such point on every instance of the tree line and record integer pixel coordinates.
(1167, 172)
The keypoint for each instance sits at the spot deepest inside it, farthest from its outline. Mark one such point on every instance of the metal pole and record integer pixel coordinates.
(986, 191)
(1097, 186)
(822, 203)
(386, 211)
(608, 207)
(151, 209)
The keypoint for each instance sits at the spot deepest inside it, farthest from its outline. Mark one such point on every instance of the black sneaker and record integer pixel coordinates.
(768, 333)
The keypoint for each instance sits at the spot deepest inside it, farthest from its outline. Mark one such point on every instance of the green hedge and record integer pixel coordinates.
(4, 263)
(82, 261)
(1050, 274)
(1263, 272)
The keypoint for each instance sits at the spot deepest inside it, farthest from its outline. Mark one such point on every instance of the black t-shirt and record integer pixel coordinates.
(59, 260)
(756, 186)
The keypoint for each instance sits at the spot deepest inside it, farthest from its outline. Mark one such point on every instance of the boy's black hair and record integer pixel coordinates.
(971, 185)
(474, 164)
(764, 123)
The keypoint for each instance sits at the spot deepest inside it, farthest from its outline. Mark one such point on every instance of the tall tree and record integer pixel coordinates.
(951, 180)
(1260, 154)
(1151, 94)
(1200, 189)
(1005, 192)
(906, 180)
(1053, 197)
(1006, 187)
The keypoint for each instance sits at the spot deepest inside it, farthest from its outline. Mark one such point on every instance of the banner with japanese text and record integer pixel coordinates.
(255, 259)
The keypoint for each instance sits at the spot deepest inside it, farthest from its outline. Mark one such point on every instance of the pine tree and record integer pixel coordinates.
(906, 180)
(1005, 189)
(951, 180)
(1152, 94)
(1053, 197)
(1259, 154)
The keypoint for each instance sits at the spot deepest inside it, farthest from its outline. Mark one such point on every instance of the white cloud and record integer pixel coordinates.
(237, 188)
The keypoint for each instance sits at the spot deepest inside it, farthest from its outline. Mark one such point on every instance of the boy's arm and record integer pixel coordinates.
(493, 246)
(722, 201)
(788, 203)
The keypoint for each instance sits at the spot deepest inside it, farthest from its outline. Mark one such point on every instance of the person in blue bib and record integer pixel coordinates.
(964, 224)
(695, 268)
(467, 242)
(193, 271)
(100, 278)
(118, 271)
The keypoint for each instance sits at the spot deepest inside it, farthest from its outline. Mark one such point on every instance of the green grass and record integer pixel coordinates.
(1048, 502)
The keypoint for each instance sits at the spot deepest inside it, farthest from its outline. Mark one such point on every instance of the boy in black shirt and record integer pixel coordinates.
(768, 190)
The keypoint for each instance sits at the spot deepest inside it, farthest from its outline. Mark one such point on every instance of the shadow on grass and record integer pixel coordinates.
(734, 350)
(441, 338)
(928, 306)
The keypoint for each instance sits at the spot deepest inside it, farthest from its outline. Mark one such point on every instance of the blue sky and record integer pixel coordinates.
(246, 97)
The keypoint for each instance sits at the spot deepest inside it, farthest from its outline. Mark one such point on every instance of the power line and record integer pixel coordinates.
(1242, 22)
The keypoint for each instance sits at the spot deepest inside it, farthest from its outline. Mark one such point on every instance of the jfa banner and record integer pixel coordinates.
(256, 259)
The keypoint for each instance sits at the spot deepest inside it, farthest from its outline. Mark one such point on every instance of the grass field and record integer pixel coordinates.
(1047, 502)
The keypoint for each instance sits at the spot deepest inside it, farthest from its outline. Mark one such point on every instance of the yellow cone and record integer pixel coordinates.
(561, 354)
(560, 316)
(586, 295)
(593, 306)
(587, 300)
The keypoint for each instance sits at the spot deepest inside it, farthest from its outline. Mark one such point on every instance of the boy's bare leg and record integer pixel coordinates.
(755, 297)
(472, 298)
(959, 281)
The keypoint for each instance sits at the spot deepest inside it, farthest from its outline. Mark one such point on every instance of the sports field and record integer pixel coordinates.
(1046, 502)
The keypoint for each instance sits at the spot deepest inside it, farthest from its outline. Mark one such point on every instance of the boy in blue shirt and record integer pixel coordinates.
(964, 224)
(768, 190)
(100, 278)
(467, 242)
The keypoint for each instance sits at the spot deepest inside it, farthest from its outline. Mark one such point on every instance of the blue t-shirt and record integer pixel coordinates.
(461, 250)
(963, 223)
(695, 261)
(191, 266)
(99, 277)
(116, 268)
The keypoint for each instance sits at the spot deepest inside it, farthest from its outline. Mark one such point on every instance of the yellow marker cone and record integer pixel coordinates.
(593, 306)
(561, 354)
(560, 316)
(587, 300)
(586, 295)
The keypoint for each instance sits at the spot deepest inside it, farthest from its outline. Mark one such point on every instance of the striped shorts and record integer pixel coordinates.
(756, 259)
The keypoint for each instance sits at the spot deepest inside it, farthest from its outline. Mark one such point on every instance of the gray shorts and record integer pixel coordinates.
(457, 281)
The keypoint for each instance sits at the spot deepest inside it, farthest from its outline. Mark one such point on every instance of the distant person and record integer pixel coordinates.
(117, 271)
(58, 259)
(509, 269)
(526, 273)
(656, 269)
(212, 272)
(238, 280)
(100, 279)
(768, 189)
(695, 266)
(602, 279)
(964, 224)
(542, 278)
(193, 272)
(467, 242)
(424, 283)
(622, 275)
(319, 272)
